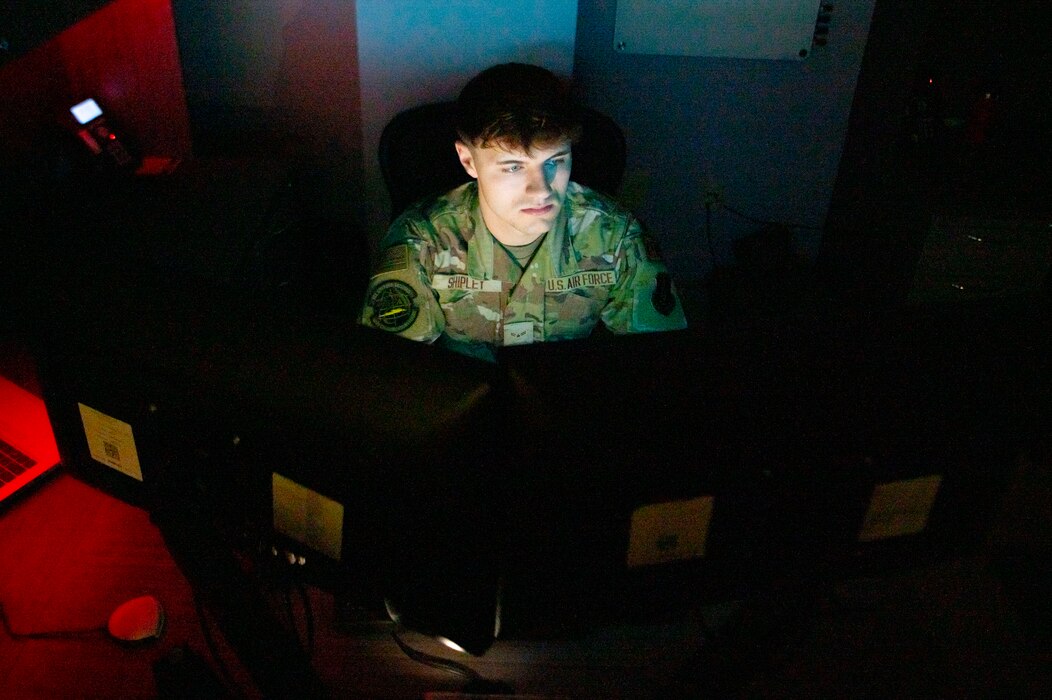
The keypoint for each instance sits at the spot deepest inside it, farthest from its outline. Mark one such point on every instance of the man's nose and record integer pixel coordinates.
(539, 181)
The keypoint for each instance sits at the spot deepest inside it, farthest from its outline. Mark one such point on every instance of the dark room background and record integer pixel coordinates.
(790, 143)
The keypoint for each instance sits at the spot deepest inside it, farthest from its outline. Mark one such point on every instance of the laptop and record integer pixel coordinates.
(27, 443)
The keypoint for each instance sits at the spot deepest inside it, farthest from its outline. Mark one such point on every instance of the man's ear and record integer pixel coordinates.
(467, 159)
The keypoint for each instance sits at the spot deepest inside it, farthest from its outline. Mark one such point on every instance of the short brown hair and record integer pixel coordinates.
(516, 105)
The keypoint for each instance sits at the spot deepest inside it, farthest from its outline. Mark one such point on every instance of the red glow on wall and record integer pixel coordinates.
(126, 56)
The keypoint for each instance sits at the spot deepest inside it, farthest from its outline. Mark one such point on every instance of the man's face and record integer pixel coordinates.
(520, 194)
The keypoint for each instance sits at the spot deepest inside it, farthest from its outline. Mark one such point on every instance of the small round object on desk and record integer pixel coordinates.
(139, 619)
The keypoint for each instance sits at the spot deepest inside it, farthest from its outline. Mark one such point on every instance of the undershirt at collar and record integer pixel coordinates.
(522, 254)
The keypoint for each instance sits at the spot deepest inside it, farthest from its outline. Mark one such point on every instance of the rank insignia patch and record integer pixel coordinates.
(394, 306)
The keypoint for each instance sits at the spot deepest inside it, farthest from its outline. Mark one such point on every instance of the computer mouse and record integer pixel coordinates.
(137, 620)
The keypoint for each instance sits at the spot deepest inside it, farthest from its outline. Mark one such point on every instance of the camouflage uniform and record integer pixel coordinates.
(443, 275)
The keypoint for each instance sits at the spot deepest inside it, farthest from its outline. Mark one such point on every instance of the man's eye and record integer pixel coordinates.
(512, 168)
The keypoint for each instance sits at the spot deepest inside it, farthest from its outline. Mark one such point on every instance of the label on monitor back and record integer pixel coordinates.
(110, 441)
(308, 517)
(664, 532)
(899, 508)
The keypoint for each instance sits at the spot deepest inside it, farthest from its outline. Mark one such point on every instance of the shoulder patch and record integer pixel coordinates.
(394, 259)
(394, 306)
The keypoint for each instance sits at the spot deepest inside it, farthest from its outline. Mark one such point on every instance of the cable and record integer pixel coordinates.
(475, 682)
(281, 580)
(49, 634)
(308, 614)
(187, 512)
(453, 667)
(278, 583)
(290, 612)
(226, 677)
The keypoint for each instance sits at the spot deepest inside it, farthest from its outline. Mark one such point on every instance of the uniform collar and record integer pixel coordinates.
(553, 256)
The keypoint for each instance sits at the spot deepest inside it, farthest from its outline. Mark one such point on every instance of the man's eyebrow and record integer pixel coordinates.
(516, 159)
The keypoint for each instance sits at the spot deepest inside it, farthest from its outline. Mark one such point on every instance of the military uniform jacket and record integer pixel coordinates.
(442, 274)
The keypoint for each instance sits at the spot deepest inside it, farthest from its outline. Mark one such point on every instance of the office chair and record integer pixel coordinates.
(417, 157)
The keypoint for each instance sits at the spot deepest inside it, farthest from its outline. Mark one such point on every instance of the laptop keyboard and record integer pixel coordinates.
(12, 462)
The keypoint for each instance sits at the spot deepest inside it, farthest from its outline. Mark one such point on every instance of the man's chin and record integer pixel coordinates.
(536, 228)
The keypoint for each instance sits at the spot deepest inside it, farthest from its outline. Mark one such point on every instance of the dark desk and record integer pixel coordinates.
(71, 554)
(789, 421)
(86, 551)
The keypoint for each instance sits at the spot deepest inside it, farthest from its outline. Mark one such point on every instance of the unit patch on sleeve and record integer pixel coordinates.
(394, 306)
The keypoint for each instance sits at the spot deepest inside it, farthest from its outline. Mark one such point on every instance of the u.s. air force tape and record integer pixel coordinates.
(394, 306)
(578, 280)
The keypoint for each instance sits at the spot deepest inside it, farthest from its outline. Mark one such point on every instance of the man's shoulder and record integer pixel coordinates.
(583, 198)
(456, 202)
(438, 216)
(591, 211)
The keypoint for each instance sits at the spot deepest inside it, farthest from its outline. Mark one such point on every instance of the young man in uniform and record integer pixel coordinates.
(520, 254)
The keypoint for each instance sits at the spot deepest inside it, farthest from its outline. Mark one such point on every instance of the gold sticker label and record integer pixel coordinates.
(664, 532)
(899, 508)
(110, 442)
(307, 516)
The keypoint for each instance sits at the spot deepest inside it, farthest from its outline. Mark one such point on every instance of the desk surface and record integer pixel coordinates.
(69, 554)
(72, 554)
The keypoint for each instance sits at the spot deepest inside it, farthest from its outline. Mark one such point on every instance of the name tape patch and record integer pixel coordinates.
(465, 283)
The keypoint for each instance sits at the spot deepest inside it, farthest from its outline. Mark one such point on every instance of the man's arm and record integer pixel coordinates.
(399, 298)
(644, 299)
